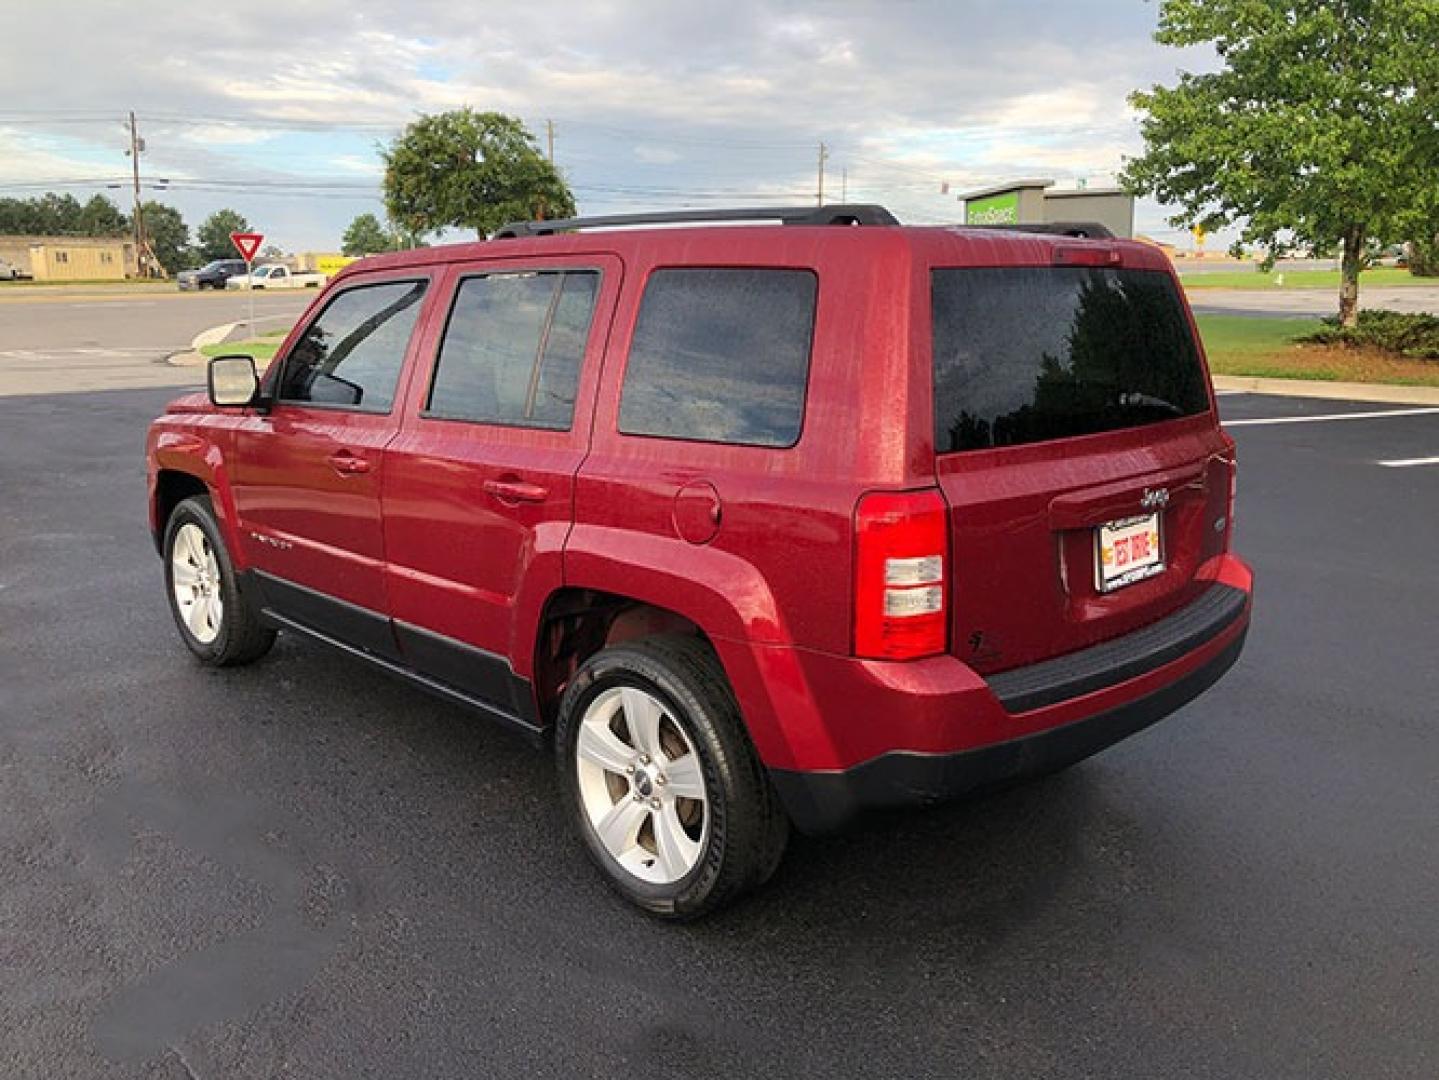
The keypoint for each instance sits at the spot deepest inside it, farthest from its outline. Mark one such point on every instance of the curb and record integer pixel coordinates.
(1334, 391)
(192, 356)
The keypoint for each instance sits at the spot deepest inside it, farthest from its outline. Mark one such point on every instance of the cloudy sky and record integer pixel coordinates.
(277, 109)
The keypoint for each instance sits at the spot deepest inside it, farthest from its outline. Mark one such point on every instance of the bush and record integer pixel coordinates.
(1412, 336)
(1424, 257)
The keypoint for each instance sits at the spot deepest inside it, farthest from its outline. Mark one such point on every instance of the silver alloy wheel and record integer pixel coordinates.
(642, 786)
(195, 582)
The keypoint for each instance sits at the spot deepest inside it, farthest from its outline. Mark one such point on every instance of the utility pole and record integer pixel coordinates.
(550, 138)
(823, 157)
(142, 242)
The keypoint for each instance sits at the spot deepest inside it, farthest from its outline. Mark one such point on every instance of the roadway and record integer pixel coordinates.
(99, 339)
(303, 868)
(1288, 303)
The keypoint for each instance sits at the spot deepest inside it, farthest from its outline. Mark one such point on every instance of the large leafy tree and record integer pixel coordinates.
(169, 235)
(470, 170)
(101, 217)
(366, 236)
(212, 238)
(1317, 128)
(45, 215)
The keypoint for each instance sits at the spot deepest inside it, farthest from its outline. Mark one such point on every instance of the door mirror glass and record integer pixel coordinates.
(233, 381)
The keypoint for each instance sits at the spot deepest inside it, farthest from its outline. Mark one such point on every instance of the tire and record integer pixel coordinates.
(217, 623)
(734, 835)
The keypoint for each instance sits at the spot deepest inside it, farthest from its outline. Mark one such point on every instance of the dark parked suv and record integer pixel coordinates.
(213, 275)
(758, 525)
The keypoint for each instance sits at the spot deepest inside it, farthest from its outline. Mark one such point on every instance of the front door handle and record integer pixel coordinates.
(347, 463)
(515, 491)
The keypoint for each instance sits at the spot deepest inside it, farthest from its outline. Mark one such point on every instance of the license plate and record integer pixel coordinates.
(1128, 551)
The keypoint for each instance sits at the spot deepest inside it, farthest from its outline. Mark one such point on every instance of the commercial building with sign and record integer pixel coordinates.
(1034, 202)
(322, 262)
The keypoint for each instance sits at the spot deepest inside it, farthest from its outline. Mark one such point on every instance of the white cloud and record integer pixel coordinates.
(655, 155)
(655, 102)
(225, 135)
(25, 159)
(354, 163)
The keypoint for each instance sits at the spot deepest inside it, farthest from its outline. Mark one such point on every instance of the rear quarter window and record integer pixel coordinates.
(721, 355)
(1030, 354)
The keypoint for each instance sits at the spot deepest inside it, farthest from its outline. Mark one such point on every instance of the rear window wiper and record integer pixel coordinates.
(1134, 399)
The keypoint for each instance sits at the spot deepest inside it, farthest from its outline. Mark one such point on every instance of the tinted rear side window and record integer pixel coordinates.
(512, 349)
(1028, 354)
(721, 355)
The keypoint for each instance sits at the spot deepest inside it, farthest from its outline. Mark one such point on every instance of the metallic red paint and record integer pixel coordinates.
(427, 536)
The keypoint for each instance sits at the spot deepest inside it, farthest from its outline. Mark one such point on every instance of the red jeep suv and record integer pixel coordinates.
(761, 524)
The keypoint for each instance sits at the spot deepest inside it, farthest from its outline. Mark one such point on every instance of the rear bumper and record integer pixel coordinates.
(976, 734)
(821, 802)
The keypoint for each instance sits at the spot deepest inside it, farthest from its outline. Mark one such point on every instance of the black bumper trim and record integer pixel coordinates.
(1121, 659)
(823, 802)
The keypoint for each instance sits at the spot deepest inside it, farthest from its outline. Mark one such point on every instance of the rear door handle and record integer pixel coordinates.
(348, 463)
(515, 491)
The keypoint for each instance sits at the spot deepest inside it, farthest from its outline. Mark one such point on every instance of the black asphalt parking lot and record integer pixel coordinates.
(305, 869)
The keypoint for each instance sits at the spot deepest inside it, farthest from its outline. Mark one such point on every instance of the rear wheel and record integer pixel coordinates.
(661, 779)
(215, 621)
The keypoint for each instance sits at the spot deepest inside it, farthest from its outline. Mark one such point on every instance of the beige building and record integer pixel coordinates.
(71, 258)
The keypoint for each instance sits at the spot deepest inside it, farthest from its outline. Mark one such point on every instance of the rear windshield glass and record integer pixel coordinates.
(1027, 354)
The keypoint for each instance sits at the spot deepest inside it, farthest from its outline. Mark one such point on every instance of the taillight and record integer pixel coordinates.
(900, 583)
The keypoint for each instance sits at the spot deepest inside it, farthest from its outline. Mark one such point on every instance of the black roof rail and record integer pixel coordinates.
(840, 214)
(1084, 230)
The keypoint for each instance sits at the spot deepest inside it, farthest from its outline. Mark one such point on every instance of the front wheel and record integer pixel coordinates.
(215, 621)
(662, 782)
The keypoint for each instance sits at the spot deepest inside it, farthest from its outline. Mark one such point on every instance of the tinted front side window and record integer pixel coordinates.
(721, 355)
(512, 349)
(352, 354)
(1027, 354)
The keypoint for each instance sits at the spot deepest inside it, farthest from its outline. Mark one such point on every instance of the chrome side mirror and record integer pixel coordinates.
(233, 381)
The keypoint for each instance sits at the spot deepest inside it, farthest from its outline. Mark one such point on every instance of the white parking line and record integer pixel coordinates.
(1404, 463)
(1330, 416)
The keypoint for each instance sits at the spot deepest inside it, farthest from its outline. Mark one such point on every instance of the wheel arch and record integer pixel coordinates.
(577, 622)
(184, 464)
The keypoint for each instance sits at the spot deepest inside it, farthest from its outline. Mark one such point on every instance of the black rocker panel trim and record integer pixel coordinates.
(442, 665)
(474, 671)
(356, 626)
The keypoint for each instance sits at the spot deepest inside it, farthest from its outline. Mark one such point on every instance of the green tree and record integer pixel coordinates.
(471, 170)
(101, 217)
(1318, 127)
(212, 238)
(169, 235)
(1424, 256)
(366, 236)
(45, 215)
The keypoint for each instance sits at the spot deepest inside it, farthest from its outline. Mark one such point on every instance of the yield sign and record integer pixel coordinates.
(247, 244)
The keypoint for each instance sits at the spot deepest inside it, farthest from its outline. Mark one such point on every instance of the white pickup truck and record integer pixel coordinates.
(275, 276)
